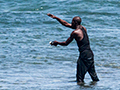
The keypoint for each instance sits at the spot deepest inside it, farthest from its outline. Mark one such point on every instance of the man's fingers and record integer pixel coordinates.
(49, 14)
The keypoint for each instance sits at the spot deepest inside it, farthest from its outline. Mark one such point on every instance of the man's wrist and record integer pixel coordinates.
(55, 17)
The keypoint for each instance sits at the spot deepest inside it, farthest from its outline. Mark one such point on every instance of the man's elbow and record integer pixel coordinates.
(66, 24)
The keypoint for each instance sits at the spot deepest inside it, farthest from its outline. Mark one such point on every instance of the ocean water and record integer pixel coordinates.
(28, 62)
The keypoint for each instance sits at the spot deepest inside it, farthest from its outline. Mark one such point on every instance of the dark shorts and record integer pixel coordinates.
(85, 64)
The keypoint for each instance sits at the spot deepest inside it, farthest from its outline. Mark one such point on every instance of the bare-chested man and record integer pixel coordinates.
(85, 61)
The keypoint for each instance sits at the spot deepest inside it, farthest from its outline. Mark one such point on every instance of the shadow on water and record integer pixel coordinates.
(90, 85)
(87, 85)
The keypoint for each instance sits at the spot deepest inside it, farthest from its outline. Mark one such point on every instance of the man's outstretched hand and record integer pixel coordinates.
(52, 16)
(55, 43)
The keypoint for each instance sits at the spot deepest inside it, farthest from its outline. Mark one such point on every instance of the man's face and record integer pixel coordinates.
(73, 24)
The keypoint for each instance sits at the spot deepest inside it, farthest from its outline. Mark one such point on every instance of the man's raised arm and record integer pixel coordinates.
(60, 20)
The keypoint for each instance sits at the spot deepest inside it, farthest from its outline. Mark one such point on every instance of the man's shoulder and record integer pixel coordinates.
(84, 28)
(77, 31)
(74, 32)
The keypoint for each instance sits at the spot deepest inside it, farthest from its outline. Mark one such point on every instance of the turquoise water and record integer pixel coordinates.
(27, 61)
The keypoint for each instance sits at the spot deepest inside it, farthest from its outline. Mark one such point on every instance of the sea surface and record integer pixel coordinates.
(28, 62)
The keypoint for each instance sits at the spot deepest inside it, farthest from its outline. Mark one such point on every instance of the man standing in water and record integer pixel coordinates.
(85, 62)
